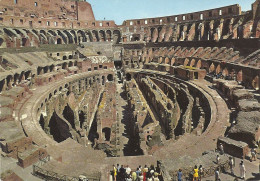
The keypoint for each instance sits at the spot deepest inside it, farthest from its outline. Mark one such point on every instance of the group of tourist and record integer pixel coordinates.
(197, 173)
(125, 173)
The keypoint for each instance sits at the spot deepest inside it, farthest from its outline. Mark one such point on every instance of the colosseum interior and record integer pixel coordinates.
(78, 95)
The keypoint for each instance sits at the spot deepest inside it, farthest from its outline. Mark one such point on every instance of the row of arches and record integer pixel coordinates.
(32, 37)
(229, 28)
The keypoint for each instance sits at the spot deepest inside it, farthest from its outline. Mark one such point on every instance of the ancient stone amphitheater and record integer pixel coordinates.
(78, 95)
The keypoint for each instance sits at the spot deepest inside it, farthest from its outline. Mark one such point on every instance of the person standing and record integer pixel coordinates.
(128, 170)
(217, 159)
(122, 173)
(114, 172)
(134, 176)
(242, 170)
(201, 172)
(196, 174)
(137, 172)
(231, 165)
(253, 154)
(179, 175)
(221, 148)
(217, 175)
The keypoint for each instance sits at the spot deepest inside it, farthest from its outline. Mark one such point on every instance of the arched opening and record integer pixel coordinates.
(110, 77)
(69, 115)
(81, 118)
(239, 76)
(64, 57)
(92, 135)
(192, 63)
(128, 77)
(41, 121)
(198, 65)
(70, 57)
(212, 68)
(172, 61)
(255, 83)
(106, 133)
(24, 40)
(103, 80)
(59, 41)
(117, 36)
(58, 128)
(1, 41)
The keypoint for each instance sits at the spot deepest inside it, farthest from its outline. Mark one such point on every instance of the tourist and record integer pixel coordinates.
(201, 172)
(134, 176)
(156, 177)
(141, 177)
(122, 173)
(140, 168)
(179, 175)
(242, 170)
(128, 170)
(152, 169)
(129, 178)
(118, 170)
(145, 170)
(114, 172)
(217, 175)
(231, 165)
(137, 172)
(159, 171)
(221, 148)
(195, 173)
(253, 154)
(218, 159)
(148, 173)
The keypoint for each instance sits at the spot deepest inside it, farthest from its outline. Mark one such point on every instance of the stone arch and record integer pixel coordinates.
(212, 68)
(128, 77)
(64, 57)
(1, 42)
(225, 72)
(167, 60)
(58, 128)
(218, 69)
(116, 36)
(16, 78)
(192, 62)
(59, 41)
(102, 35)
(186, 62)
(70, 37)
(255, 83)
(172, 61)
(90, 36)
(63, 36)
(68, 114)
(106, 133)
(198, 65)
(81, 36)
(109, 35)
(75, 36)
(239, 76)
(53, 33)
(95, 36)
(160, 60)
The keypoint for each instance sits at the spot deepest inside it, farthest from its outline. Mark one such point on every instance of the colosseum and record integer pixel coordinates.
(79, 95)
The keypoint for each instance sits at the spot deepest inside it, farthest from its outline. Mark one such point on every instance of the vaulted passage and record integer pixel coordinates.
(58, 128)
